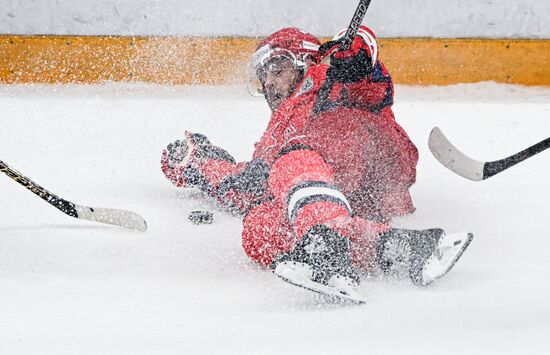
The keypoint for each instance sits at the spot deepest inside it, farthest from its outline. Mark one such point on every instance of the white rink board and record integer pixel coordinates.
(389, 18)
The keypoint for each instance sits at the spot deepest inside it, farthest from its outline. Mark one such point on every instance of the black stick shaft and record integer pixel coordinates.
(354, 24)
(56, 201)
(495, 167)
(326, 87)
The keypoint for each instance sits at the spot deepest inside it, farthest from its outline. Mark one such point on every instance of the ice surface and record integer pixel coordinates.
(74, 287)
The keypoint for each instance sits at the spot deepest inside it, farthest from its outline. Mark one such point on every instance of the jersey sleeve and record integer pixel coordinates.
(245, 187)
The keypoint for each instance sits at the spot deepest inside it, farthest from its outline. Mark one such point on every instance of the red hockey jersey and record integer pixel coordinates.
(355, 132)
(373, 159)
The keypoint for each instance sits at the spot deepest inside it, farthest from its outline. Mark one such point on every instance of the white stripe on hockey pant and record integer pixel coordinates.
(306, 192)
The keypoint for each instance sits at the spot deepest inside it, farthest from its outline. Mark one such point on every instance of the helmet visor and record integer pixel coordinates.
(267, 60)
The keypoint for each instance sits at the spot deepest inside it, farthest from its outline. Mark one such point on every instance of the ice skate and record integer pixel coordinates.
(426, 254)
(321, 263)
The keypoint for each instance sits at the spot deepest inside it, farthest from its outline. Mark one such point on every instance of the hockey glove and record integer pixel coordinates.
(183, 161)
(357, 62)
(246, 188)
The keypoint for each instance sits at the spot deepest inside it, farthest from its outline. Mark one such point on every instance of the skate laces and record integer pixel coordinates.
(328, 253)
(317, 244)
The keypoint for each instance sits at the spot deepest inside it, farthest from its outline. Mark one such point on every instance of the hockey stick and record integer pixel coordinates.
(122, 218)
(456, 161)
(347, 40)
(354, 24)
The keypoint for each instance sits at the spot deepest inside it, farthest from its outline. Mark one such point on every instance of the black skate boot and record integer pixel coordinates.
(320, 262)
(426, 254)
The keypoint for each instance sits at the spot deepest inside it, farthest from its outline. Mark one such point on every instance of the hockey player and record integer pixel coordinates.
(326, 176)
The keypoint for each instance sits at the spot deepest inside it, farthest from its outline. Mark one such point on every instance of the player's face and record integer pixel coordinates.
(279, 78)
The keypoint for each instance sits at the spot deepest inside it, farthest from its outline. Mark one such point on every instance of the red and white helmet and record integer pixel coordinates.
(291, 43)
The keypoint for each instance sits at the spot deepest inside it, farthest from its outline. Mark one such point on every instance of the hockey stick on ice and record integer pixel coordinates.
(456, 161)
(347, 40)
(122, 218)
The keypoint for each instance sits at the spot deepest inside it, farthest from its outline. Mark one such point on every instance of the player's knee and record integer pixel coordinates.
(303, 182)
(266, 233)
(295, 167)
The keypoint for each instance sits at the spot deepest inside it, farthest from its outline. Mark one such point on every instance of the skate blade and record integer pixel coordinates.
(450, 248)
(288, 274)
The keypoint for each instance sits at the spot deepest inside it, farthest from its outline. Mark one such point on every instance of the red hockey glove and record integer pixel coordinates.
(182, 161)
(357, 62)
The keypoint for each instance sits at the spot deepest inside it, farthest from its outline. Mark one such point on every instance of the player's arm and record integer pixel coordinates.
(194, 162)
(358, 72)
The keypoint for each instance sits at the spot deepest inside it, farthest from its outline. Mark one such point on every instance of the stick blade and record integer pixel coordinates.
(452, 158)
(116, 217)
